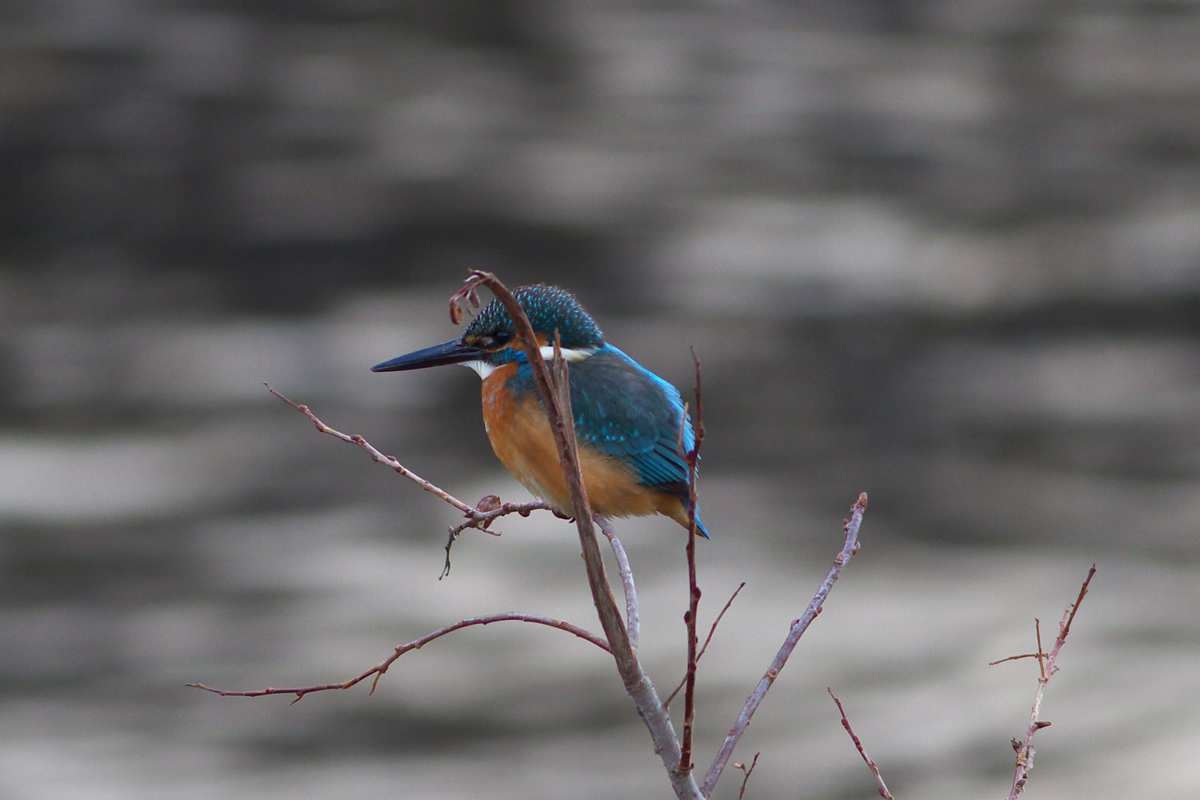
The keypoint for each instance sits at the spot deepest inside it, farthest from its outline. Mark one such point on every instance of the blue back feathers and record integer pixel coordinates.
(620, 408)
(624, 410)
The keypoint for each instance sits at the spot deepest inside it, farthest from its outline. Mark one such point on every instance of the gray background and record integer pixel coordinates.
(945, 252)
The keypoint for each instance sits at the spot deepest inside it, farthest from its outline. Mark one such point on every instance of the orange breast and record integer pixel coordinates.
(520, 435)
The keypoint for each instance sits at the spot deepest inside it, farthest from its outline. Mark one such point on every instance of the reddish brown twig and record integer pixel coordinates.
(476, 518)
(849, 548)
(416, 644)
(746, 770)
(712, 629)
(883, 790)
(689, 695)
(479, 516)
(486, 511)
(1046, 671)
(387, 461)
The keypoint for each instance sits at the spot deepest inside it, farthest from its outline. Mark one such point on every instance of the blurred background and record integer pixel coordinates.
(946, 252)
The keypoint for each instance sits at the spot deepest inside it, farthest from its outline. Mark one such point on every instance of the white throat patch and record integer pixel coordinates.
(482, 367)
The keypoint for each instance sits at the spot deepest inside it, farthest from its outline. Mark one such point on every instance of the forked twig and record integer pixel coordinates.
(479, 516)
(712, 629)
(1046, 671)
(490, 508)
(746, 773)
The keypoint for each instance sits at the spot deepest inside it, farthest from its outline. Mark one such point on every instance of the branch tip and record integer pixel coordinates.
(1046, 669)
(871, 765)
(793, 638)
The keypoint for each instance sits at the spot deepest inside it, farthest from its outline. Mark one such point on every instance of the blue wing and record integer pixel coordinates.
(626, 411)
(623, 410)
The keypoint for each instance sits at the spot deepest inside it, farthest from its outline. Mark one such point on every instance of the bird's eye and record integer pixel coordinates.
(502, 337)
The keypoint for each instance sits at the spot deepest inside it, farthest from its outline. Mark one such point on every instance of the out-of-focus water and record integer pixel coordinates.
(223, 540)
(942, 252)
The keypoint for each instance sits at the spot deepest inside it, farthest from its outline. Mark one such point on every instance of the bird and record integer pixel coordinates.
(629, 423)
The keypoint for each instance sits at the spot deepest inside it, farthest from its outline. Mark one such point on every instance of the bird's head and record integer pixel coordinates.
(490, 340)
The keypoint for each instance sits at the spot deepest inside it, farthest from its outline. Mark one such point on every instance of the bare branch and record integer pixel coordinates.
(1016, 658)
(632, 620)
(480, 516)
(711, 631)
(489, 508)
(883, 790)
(850, 547)
(1046, 671)
(476, 517)
(416, 644)
(387, 461)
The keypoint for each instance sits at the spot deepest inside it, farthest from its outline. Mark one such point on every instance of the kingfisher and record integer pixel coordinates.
(628, 421)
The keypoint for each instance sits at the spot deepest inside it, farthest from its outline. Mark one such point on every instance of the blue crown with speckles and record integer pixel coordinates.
(549, 308)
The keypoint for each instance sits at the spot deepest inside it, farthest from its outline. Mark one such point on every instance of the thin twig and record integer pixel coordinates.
(416, 644)
(479, 516)
(747, 771)
(488, 509)
(387, 461)
(883, 790)
(793, 638)
(1016, 658)
(707, 639)
(476, 518)
(632, 620)
(689, 695)
(1046, 671)
(717, 621)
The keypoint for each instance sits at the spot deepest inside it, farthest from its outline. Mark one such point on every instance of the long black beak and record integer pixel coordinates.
(452, 352)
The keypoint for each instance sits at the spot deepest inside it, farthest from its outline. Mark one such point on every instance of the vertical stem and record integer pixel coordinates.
(689, 695)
